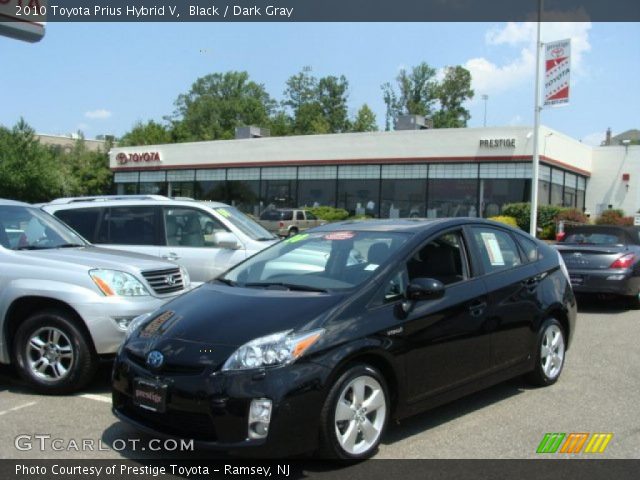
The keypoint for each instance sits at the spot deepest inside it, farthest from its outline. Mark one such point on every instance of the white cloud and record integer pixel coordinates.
(493, 77)
(99, 114)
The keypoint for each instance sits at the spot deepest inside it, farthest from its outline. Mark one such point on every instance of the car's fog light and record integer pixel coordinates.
(123, 322)
(615, 277)
(259, 418)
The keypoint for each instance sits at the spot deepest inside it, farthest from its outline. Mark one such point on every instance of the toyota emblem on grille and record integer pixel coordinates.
(155, 359)
(170, 280)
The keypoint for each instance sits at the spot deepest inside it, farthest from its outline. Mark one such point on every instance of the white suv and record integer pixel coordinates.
(206, 238)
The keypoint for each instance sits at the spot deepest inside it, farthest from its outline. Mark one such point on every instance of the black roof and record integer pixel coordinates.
(402, 224)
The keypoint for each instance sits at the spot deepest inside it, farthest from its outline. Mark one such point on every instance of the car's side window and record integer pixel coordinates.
(396, 286)
(529, 247)
(128, 226)
(82, 220)
(189, 227)
(311, 216)
(442, 259)
(497, 249)
(299, 215)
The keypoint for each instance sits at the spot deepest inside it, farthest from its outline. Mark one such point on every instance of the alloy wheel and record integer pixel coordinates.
(49, 353)
(360, 415)
(552, 351)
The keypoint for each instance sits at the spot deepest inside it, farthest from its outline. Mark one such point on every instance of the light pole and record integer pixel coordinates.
(485, 97)
(533, 224)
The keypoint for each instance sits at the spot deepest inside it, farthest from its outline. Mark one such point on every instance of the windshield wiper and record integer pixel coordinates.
(69, 245)
(264, 239)
(33, 247)
(289, 286)
(226, 281)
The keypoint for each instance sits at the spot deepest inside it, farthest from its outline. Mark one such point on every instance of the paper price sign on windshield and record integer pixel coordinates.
(493, 248)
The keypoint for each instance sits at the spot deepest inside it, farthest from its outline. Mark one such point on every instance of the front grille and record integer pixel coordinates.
(168, 368)
(164, 281)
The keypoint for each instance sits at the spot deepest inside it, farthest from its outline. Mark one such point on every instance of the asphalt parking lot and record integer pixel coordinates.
(598, 392)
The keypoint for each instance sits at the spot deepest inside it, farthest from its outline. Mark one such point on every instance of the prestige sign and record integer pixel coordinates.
(23, 19)
(139, 157)
(497, 142)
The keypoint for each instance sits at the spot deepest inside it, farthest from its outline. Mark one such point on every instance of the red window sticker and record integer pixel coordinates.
(339, 236)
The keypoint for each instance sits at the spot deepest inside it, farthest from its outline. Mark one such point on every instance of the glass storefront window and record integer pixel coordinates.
(402, 198)
(316, 193)
(557, 185)
(452, 198)
(495, 193)
(359, 197)
(153, 188)
(243, 194)
(278, 194)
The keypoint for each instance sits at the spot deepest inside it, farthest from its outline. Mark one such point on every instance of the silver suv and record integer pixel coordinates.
(206, 238)
(64, 303)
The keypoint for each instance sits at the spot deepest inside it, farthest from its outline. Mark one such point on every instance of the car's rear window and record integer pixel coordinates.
(597, 237)
(277, 215)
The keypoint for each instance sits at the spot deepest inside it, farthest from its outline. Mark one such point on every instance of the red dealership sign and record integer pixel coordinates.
(557, 72)
(140, 157)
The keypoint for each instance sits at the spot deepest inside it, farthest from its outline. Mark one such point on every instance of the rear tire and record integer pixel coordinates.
(634, 301)
(355, 415)
(53, 355)
(293, 231)
(549, 354)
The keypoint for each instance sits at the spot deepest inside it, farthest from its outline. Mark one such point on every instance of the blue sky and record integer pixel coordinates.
(103, 77)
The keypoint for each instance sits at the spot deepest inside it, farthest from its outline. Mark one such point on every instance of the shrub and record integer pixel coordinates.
(329, 214)
(522, 213)
(505, 219)
(572, 215)
(613, 217)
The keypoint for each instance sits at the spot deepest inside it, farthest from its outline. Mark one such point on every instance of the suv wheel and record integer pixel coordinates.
(549, 354)
(293, 231)
(355, 414)
(53, 354)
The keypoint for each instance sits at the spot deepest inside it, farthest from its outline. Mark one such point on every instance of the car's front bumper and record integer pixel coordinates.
(612, 281)
(213, 409)
(103, 314)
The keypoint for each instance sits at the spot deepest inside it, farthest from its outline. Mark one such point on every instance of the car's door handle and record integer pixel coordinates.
(477, 308)
(171, 256)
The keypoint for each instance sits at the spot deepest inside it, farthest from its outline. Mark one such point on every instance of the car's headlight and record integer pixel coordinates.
(115, 283)
(136, 323)
(277, 349)
(186, 279)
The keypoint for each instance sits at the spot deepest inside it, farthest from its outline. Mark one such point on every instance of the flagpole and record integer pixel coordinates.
(533, 224)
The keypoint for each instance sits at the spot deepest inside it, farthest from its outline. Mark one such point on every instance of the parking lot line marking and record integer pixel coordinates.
(99, 398)
(19, 407)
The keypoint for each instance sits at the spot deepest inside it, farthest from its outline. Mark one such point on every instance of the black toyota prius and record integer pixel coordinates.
(319, 341)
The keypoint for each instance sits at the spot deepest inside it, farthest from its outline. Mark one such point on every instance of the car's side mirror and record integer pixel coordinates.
(424, 289)
(226, 240)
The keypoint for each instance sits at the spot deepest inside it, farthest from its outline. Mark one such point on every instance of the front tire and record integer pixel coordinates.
(355, 414)
(550, 353)
(53, 354)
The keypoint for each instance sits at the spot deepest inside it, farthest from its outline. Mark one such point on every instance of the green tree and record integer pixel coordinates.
(317, 105)
(452, 92)
(149, 133)
(89, 170)
(28, 171)
(416, 93)
(365, 120)
(218, 103)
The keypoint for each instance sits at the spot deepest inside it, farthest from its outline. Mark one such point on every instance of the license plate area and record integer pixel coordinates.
(150, 395)
(577, 279)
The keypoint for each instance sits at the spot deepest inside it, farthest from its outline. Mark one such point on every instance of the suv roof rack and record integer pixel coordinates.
(106, 198)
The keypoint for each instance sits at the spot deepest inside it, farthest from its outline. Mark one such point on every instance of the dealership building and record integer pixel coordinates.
(414, 172)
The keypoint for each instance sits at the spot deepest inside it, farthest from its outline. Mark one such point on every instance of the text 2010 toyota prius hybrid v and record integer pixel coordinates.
(317, 342)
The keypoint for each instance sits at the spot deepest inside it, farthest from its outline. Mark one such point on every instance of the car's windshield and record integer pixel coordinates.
(595, 237)
(320, 260)
(27, 228)
(245, 224)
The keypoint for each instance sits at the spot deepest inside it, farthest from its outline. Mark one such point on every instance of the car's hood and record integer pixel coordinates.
(96, 257)
(210, 322)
